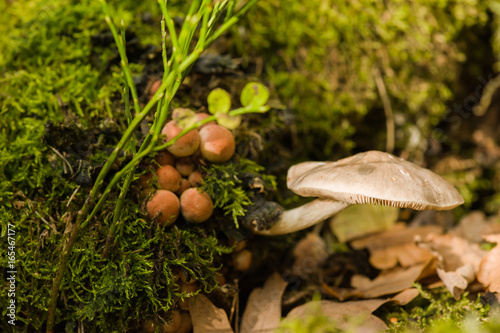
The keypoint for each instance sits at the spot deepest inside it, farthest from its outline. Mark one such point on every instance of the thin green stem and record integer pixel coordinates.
(230, 10)
(128, 179)
(230, 22)
(163, 43)
(117, 213)
(172, 80)
(123, 55)
(173, 36)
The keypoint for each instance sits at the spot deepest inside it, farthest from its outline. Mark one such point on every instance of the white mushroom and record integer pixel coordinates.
(371, 177)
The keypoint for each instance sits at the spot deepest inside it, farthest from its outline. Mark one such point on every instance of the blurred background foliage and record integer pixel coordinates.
(322, 59)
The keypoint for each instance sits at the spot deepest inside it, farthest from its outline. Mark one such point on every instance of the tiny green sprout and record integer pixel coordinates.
(219, 101)
(184, 117)
(254, 94)
(229, 122)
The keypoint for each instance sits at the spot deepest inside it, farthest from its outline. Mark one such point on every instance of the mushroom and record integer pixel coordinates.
(196, 206)
(164, 206)
(168, 178)
(184, 186)
(372, 177)
(200, 116)
(242, 260)
(196, 178)
(174, 324)
(185, 166)
(164, 157)
(187, 145)
(217, 143)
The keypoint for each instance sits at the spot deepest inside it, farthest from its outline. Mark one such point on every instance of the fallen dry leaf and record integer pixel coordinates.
(359, 220)
(457, 281)
(489, 269)
(473, 226)
(458, 260)
(391, 281)
(206, 317)
(406, 255)
(342, 312)
(397, 245)
(341, 294)
(263, 310)
(406, 296)
(454, 251)
(309, 252)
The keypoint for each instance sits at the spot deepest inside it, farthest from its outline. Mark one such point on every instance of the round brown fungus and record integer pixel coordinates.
(217, 143)
(186, 145)
(196, 206)
(164, 207)
(169, 178)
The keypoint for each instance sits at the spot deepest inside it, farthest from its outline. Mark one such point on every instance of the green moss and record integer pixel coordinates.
(437, 311)
(323, 57)
(55, 67)
(138, 281)
(433, 311)
(224, 183)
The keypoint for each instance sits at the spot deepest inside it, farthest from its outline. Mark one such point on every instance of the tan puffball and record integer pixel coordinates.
(164, 206)
(184, 186)
(164, 157)
(195, 179)
(168, 178)
(185, 166)
(186, 323)
(149, 327)
(174, 324)
(242, 260)
(153, 88)
(189, 289)
(146, 182)
(217, 143)
(196, 206)
(202, 115)
(186, 145)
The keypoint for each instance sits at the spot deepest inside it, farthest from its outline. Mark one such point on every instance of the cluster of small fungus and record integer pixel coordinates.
(179, 176)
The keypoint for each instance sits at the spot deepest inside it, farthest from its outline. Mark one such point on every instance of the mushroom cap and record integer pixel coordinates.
(217, 143)
(374, 177)
(169, 178)
(164, 205)
(186, 145)
(196, 206)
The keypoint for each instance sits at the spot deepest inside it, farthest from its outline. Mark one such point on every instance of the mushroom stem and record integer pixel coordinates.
(304, 216)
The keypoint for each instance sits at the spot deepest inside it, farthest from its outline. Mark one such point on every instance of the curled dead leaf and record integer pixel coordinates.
(397, 245)
(457, 281)
(309, 253)
(489, 269)
(406, 296)
(263, 310)
(458, 261)
(206, 317)
(391, 281)
(342, 312)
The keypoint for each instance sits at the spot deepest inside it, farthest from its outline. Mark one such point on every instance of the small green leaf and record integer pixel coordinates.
(264, 109)
(229, 122)
(254, 94)
(219, 101)
(184, 117)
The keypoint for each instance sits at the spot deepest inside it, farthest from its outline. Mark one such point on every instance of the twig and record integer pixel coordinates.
(488, 91)
(73, 195)
(62, 157)
(389, 117)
